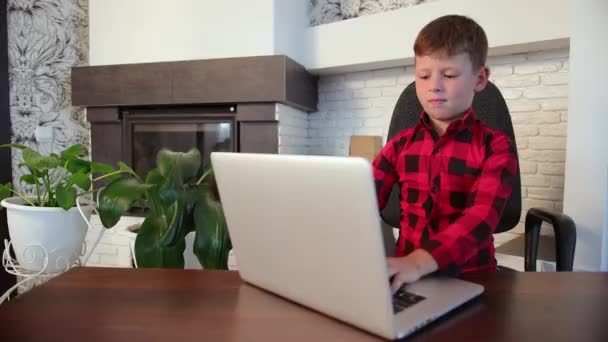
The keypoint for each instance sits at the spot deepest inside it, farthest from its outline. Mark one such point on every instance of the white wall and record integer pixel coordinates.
(138, 31)
(290, 25)
(604, 264)
(587, 145)
(386, 39)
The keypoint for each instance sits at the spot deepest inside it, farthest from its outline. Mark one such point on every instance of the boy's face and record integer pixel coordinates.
(445, 85)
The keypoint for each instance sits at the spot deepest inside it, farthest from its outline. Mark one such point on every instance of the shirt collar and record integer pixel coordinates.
(464, 122)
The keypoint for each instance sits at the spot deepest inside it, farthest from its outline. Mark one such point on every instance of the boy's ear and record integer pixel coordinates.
(482, 78)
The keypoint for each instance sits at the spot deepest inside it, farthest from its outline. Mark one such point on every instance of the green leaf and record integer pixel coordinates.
(122, 167)
(212, 243)
(173, 215)
(178, 166)
(180, 220)
(81, 179)
(18, 146)
(168, 193)
(35, 160)
(78, 165)
(117, 197)
(149, 251)
(189, 200)
(5, 190)
(102, 168)
(154, 177)
(66, 197)
(28, 179)
(74, 151)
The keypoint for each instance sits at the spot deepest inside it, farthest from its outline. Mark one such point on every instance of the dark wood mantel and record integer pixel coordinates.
(210, 81)
(247, 88)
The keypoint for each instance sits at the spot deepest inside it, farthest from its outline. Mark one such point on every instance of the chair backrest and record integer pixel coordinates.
(490, 107)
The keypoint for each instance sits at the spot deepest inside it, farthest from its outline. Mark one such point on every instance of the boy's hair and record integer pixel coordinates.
(453, 34)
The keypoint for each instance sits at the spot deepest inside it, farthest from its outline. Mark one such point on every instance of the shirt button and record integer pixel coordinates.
(436, 150)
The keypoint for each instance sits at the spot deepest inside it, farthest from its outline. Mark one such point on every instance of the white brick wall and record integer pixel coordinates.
(535, 86)
(293, 130)
(354, 104)
(539, 113)
(113, 249)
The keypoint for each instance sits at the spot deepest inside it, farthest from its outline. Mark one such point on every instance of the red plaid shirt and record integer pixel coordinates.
(453, 190)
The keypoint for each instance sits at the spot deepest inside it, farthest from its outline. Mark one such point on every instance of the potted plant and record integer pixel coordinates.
(48, 227)
(180, 199)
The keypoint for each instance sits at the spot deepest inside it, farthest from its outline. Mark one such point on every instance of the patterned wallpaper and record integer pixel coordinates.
(329, 11)
(45, 39)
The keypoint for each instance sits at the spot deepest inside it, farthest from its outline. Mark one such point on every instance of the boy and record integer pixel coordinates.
(455, 173)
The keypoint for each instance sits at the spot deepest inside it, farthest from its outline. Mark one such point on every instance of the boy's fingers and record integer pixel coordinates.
(391, 267)
(396, 284)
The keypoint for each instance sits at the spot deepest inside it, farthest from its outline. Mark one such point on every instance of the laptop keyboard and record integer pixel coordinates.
(403, 299)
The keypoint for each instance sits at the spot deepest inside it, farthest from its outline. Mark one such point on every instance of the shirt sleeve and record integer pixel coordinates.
(385, 170)
(464, 238)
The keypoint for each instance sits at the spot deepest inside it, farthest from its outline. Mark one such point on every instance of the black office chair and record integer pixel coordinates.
(491, 108)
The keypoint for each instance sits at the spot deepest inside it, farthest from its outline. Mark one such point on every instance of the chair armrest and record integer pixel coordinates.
(565, 237)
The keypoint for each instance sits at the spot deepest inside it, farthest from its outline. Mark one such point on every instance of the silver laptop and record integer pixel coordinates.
(308, 228)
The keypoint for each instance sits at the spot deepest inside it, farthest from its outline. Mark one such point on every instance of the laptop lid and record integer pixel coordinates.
(307, 228)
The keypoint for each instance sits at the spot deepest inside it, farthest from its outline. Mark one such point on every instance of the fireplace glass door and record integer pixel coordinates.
(150, 137)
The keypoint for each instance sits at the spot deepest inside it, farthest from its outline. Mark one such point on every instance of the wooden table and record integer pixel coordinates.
(110, 304)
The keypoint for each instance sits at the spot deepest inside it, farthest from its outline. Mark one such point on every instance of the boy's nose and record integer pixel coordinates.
(435, 85)
(435, 88)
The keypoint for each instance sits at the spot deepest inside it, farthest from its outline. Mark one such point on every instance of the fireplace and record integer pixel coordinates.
(231, 104)
(210, 129)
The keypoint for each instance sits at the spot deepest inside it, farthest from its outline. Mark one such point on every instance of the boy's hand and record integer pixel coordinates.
(410, 268)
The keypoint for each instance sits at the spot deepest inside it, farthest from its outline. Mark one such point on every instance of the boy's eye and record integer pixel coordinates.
(423, 77)
(450, 76)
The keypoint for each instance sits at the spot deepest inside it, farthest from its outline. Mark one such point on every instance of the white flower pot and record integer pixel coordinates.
(34, 230)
